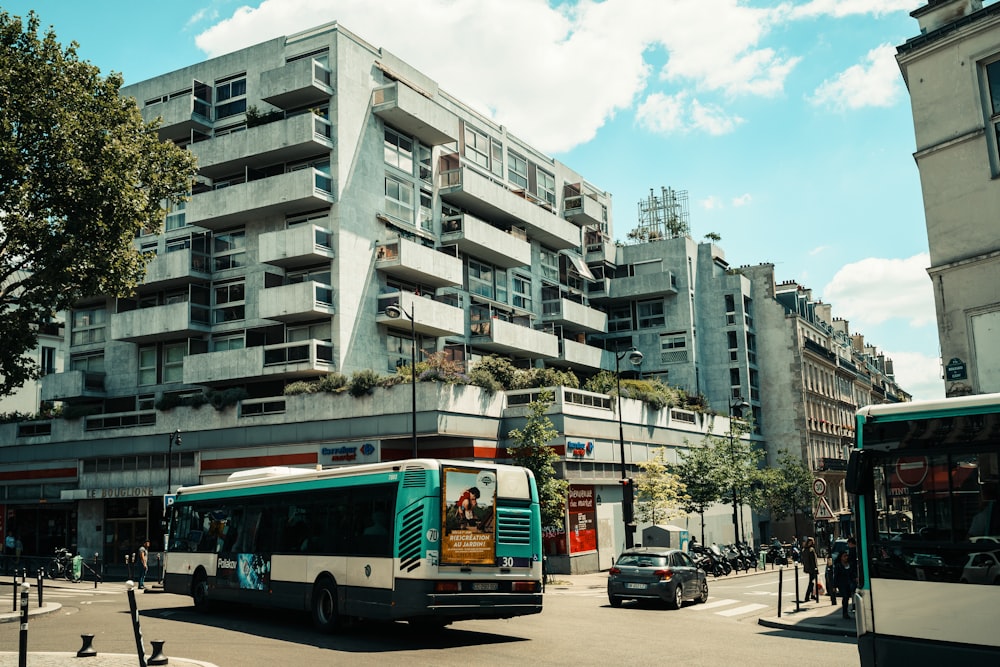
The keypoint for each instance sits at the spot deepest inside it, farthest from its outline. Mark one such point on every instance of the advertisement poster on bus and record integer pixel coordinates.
(468, 516)
(582, 519)
(247, 571)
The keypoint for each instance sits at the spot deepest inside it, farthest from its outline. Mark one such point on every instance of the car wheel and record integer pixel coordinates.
(703, 593)
(678, 599)
(199, 592)
(324, 607)
(615, 601)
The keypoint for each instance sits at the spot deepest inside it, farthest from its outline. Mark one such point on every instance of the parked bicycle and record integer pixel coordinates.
(62, 565)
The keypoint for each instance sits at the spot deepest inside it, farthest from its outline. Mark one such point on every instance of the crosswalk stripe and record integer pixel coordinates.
(715, 604)
(741, 610)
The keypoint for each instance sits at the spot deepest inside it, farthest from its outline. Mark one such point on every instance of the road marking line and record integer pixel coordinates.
(741, 610)
(713, 605)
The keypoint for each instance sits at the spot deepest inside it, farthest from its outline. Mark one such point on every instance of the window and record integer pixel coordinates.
(477, 147)
(320, 275)
(317, 331)
(545, 187)
(48, 364)
(223, 343)
(496, 157)
(231, 97)
(398, 199)
(620, 318)
(673, 347)
(426, 211)
(517, 170)
(229, 302)
(88, 326)
(522, 291)
(173, 362)
(993, 84)
(550, 264)
(425, 166)
(229, 250)
(481, 278)
(89, 363)
(147, 365)
(175, 216)
(398, 151)
(650, 314)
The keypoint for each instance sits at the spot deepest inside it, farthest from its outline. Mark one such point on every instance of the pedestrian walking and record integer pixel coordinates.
(810, 565)
(845, 578)
(143, 563)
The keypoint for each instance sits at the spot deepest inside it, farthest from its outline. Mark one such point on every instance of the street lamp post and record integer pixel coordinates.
(174, 437)
(734, 404)
(395, 312)
(634, 358)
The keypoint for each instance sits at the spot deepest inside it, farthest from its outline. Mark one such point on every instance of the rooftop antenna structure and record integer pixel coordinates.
(663, 217)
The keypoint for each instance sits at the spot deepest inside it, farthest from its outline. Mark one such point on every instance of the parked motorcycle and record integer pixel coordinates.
(62, 565)
(713, 563)
(735, 558)
(776, 555)
(750, 556)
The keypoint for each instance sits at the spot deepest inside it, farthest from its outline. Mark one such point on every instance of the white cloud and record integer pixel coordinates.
(875, 290)
(711, 203)
(875, 83)
(818, 250)
(599, 52)
(917, 373)
(742, 200)
(842, 8)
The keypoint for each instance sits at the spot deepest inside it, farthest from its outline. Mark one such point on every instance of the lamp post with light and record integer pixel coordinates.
(175, 437)
(393, 311)
(634, 358)
(735, 404)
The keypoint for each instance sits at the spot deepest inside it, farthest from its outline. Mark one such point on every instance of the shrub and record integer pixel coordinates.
(481, 377)
(301, 387)
(362, 382)
(332, 382)
(500, 369)
(221, 400)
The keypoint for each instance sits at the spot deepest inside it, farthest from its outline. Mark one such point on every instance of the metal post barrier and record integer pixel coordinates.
(22, 647)
(157, 658)
(14, 607)
(39, 579)
(87, 650)
(135, 623)
(780, 573)
(97, 565)
(797, 588)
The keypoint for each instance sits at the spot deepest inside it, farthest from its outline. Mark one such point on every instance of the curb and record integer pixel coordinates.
(805, 626)
(15, 616)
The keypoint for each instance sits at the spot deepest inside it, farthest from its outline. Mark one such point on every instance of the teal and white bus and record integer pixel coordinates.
(421, 540)
(928, 483)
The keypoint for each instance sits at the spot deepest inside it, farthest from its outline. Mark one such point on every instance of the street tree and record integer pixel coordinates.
(783, 489)
(530, 448)
(696, 471)
(81, 176)
(660, 491)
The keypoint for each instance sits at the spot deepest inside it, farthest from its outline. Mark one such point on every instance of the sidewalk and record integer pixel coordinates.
(52, 659)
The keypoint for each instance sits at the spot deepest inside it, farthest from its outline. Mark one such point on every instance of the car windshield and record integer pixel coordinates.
(642, 560)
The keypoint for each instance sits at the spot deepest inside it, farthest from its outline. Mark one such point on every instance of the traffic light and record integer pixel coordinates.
(628, 500)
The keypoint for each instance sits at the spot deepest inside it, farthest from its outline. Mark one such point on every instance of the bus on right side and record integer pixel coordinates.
(927, 483)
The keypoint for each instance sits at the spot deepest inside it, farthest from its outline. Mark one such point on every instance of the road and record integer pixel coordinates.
(577, 627)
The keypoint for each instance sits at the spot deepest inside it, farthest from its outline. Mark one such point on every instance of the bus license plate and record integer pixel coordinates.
(640, 586)
(485, 586)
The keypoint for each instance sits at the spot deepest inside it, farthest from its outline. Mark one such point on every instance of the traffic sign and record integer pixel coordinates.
(819, 486)
(911, 470)
(824, 511)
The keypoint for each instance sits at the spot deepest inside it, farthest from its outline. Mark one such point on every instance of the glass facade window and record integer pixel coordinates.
(88, 326)
(398, 199)
(398, 151)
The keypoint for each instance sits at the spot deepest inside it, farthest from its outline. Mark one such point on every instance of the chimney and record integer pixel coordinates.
(942, 12)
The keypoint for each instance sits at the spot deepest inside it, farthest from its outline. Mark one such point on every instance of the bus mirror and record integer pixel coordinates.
(859, 474)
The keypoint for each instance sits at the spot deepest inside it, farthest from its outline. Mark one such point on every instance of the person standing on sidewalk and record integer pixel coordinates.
(143, 563)
(810, 565)
(845, 578)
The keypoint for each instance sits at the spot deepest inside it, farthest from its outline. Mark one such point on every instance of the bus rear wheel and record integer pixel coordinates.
(199, 592)
(324, 607)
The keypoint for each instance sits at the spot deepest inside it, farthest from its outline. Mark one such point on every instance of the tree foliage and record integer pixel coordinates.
(661, 492)
(696, 472)
(784, 489)
(530, 448)
(81, 175)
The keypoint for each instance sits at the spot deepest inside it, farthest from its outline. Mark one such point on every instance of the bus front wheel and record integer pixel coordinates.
(324, 606)
(199, 592)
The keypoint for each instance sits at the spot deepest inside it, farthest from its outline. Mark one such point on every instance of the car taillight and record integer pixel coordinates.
(664, 575)
(446, 587)
(614, 570)
(524, 586)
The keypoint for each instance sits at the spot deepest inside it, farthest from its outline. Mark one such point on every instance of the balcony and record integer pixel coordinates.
(414, 262)
(412, 113)
(583, 207)
(580, 355)
(285, 194)
(499, 335)
(484, 241)
(177, 268)
(297, 84)
(642, 286)
(181, 115)
(298, 138)
(302, 245)
(600, 249)
(172, 321)
(301, 359)
(70, 385)
(574, 316)
(431, 317)
(490, 199)
(307, 300)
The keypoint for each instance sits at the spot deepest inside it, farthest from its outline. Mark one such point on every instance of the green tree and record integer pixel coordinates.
(81, 175)
(661, 493)
(696, 472)
(737, 461)
(530, 449)
(783, 489)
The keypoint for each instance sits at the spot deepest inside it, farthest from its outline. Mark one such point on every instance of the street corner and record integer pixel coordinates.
(817, 618)
(15, 616)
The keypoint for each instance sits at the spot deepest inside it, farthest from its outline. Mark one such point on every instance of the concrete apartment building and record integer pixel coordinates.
(335, 181)
(952, 72)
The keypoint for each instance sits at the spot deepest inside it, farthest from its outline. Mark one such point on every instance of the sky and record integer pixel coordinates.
(787, 123)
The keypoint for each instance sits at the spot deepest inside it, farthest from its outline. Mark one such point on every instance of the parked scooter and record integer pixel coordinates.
(713, 563)
(776, 554)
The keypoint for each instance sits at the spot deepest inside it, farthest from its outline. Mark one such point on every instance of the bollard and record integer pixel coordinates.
(87, 650)
(797, 599)
(39, 578)
(780, 573)
(14, 607)
(158, 658)
(96, 566)
(22, 648)
(135, 622)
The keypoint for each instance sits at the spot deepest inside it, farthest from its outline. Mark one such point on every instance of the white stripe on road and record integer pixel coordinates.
(746, 609)
(713, 605)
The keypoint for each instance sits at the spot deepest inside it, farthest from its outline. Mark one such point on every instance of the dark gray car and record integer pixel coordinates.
(658, 574)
